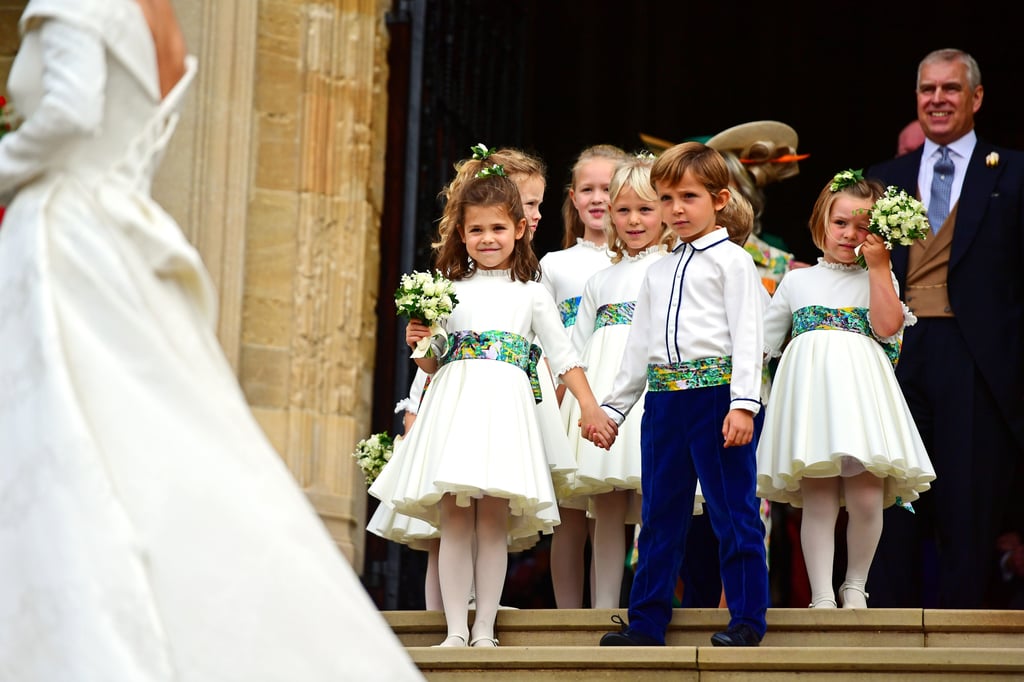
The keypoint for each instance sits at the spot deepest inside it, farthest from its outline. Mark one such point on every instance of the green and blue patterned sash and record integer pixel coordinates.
(680, 376)
(496, 345)
(614, 313)
(813, 317)
(568, 309)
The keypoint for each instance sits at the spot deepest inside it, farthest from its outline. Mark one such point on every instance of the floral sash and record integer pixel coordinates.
(568, 309)
(855, 320)
(496, 345)
(614, 313)
(680, 376)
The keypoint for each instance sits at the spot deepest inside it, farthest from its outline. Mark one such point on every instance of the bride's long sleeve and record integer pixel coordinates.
(73, 73)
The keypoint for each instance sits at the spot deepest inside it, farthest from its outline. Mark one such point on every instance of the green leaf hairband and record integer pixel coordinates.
(846, 178)
(480, 151)
(497, 170)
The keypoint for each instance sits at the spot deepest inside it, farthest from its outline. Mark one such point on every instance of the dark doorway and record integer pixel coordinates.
(554, 76)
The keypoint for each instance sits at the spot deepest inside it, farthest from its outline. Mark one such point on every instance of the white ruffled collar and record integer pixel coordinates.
(477, 272)
(587, 244)
(839, 267)
(657, 248)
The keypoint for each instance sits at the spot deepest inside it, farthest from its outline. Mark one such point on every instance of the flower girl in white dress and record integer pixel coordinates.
(564, 272)
(837, 429)
(610, 480)
(475, 462)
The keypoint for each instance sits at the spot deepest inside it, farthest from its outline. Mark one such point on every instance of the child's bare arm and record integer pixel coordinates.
(886, 308)
(738, 427)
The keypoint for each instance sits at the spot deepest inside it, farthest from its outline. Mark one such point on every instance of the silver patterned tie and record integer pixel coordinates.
(942, 184)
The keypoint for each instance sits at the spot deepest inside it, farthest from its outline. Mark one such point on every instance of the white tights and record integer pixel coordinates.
(609, 552)
(487, 518)
(864, 497)
(567, 545)
(431, 582)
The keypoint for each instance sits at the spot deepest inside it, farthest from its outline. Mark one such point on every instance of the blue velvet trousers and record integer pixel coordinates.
(681, 441)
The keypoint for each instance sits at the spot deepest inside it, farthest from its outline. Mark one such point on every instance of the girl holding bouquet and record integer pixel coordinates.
(837, 428)
(475, 463)
(528, 172)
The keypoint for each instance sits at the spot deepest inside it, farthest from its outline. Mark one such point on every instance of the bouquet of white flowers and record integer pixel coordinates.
(897, 218)
(373, 453)
(427, 297)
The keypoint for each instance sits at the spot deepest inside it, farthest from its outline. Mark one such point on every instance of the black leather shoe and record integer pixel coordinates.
(738, 635)
(627, 636)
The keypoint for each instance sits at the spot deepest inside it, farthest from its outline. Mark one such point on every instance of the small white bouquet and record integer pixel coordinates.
(373, 453)
(897, 218)
(429, 298)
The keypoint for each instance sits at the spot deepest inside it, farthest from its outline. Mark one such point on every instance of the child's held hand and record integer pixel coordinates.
(598, 427)
(738, 427)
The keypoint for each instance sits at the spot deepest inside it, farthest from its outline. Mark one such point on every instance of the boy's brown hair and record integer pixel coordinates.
(705, 164)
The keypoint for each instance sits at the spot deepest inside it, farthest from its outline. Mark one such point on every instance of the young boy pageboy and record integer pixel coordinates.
(696, 343)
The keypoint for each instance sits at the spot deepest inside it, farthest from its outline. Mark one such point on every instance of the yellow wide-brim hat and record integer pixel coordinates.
(766, 148)
(741, 138)
(744, 135)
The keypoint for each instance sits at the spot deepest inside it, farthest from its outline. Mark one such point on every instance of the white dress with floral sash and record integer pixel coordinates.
(836, 408)
(599, 336)
(564, 273)
(478, 430)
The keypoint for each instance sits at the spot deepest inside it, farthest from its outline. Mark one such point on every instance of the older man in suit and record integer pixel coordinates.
(962, 366)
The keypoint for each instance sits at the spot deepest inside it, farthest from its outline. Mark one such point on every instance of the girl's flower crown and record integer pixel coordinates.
(645, 155)
(491, 171)
(480, 151)
(846, 178)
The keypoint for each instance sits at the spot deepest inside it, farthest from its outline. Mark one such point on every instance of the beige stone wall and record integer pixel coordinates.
(276, 174)
(312, 248)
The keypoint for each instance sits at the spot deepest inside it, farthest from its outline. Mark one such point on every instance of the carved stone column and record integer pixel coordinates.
(312, 253)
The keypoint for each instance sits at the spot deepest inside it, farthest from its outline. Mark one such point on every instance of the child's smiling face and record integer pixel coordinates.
(490, 236)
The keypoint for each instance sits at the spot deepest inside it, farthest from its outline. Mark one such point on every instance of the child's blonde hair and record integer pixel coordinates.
(573, 224)
(858, 188)
(737, 217)
(635, 174)
(453, 260)
(516, 163)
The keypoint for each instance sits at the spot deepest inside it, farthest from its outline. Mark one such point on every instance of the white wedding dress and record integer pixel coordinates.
(148, 530)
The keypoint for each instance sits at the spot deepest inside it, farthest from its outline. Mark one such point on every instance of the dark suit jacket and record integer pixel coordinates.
(986, 268)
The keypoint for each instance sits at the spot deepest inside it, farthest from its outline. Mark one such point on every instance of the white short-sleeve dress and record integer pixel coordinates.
(478, 431)
(836, 408)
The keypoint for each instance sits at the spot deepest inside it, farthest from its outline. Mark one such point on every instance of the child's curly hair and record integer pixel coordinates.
(453, 260)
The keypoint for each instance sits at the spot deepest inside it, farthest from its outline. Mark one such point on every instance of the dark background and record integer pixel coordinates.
(842, 74)
(552, 77)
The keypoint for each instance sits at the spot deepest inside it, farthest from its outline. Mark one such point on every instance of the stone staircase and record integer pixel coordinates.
(835, 645)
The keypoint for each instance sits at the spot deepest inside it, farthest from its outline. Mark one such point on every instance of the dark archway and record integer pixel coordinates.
(555, 76)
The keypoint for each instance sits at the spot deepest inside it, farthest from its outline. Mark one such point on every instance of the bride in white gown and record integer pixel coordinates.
(148, 530)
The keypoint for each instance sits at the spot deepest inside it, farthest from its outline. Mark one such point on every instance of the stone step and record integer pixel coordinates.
(711, 664)
(803, 628)
(872, 645)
